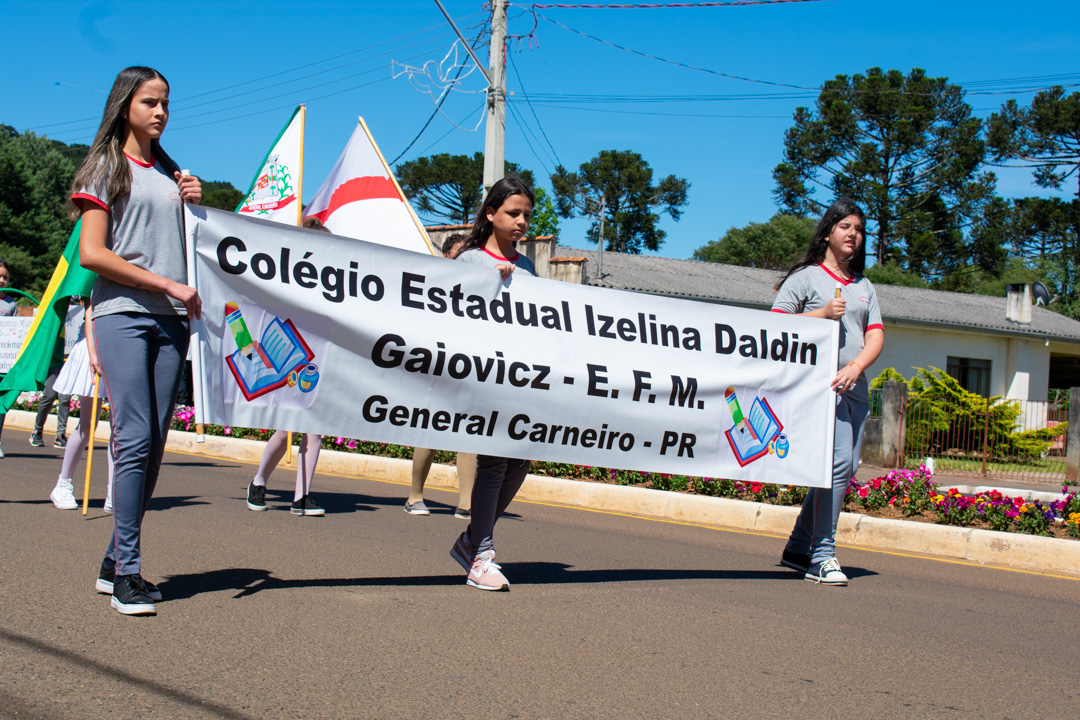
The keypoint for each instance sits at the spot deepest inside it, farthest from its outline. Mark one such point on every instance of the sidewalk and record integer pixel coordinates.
(1013, 550)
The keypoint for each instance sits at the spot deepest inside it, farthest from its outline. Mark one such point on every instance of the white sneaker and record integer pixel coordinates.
(827, 573)
(62, 496)
(1, 451)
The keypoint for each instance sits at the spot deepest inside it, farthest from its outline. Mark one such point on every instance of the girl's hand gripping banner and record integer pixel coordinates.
(313, 333)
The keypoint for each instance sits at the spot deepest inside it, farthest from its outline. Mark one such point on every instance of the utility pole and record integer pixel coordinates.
(600, 245)
(495, 132)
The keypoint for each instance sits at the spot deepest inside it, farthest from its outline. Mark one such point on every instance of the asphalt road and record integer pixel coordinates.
(363, 614)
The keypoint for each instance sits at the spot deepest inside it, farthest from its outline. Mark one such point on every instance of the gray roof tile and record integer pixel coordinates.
(752, 287)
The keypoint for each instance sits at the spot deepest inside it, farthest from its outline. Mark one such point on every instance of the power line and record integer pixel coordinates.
(181, 101)
(513, 65)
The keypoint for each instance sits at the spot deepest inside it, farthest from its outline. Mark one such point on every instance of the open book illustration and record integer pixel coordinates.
(260, 368)
(751, 436)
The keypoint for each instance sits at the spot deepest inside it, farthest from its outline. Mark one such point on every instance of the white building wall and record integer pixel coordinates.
(1018, 368)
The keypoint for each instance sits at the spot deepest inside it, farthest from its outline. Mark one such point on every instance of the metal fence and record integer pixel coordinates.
(1003, 438)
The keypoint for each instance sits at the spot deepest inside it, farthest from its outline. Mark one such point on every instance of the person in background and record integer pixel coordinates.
(306, 459)
(76, 378)
(423, 457)
(9, 307)
(72, 327)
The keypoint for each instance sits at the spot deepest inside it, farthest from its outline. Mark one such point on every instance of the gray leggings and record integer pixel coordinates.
(815, 530)
(497, 481)
(141, 359)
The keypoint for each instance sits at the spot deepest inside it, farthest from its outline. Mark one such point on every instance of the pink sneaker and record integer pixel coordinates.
(485, 574)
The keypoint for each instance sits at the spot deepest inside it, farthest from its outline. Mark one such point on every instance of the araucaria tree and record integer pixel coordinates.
(449, 187)
(907, 149)
(1046, 138)
(621, 182)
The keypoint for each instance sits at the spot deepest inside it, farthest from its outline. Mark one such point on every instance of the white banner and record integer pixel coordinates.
(305, 331)
(13, 332)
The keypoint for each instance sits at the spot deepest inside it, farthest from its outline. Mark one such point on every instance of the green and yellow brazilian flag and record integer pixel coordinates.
(31, 367)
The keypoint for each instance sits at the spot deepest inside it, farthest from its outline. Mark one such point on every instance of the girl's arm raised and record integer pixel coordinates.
(96, 257)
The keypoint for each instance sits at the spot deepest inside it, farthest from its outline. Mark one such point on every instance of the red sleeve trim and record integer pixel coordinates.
(837, 278)
(875, 326)
(140, 163)
(517, 255)
(782, 312)
(78, 198)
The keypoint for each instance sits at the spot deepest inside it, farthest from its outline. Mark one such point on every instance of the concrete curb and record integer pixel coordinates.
(1027, 552)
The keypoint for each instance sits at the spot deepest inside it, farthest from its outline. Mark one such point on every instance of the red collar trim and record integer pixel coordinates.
(835, 277)
(140, 163)
(500, 257)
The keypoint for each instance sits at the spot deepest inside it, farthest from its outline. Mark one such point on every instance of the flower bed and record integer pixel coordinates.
(908, 494)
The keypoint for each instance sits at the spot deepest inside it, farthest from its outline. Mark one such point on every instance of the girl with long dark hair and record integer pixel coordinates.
(827, 282)
(502, 220)
(130, 194)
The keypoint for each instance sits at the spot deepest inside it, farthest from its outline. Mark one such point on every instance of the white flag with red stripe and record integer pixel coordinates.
(361, 199)
(275, 192)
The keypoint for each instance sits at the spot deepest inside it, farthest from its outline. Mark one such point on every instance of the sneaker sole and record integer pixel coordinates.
(463, 516)
(822, 581)
(308, 513)
(256, 508)
(63, 506)
(105, 588)
(478, 586)
(134, 608)
(417, 512)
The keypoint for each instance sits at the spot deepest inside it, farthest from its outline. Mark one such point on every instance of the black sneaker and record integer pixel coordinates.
(795, 561)
(36, 441)
(60, 442)
(256, 498)
(306, 506)
(130, 596)
(107, 576)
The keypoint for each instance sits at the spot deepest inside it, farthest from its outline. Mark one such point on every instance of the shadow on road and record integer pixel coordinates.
(249, 581)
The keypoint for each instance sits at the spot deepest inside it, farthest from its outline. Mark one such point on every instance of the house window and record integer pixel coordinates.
(973, 375)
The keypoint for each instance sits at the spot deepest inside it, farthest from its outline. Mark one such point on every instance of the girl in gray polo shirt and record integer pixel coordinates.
(503, 218)
(828, 283)
(130, 194)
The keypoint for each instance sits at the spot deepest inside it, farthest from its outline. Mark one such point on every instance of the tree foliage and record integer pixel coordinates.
(623, 181)
(221, 195)
(449, 187)
(773, 245)
(907, 149)
(545, 218)
(35, 179)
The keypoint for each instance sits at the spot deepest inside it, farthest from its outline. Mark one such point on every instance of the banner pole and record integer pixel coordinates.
(90, 447)
(197, 385)
(299, 222)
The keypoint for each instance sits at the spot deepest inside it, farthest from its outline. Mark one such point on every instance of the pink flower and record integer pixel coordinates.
(228, 430)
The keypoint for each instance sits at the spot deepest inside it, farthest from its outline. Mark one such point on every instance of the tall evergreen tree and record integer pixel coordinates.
(906, 148)
(448, 187)
(621, 182)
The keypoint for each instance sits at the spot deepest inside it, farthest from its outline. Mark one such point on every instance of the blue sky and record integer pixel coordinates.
(237, 70)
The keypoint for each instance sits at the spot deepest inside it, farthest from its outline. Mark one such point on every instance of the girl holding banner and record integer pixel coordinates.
(130, 196)
(828, 283)
(503, 218)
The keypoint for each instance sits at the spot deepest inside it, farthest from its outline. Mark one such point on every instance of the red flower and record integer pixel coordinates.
(756, 487)
(864, 491)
